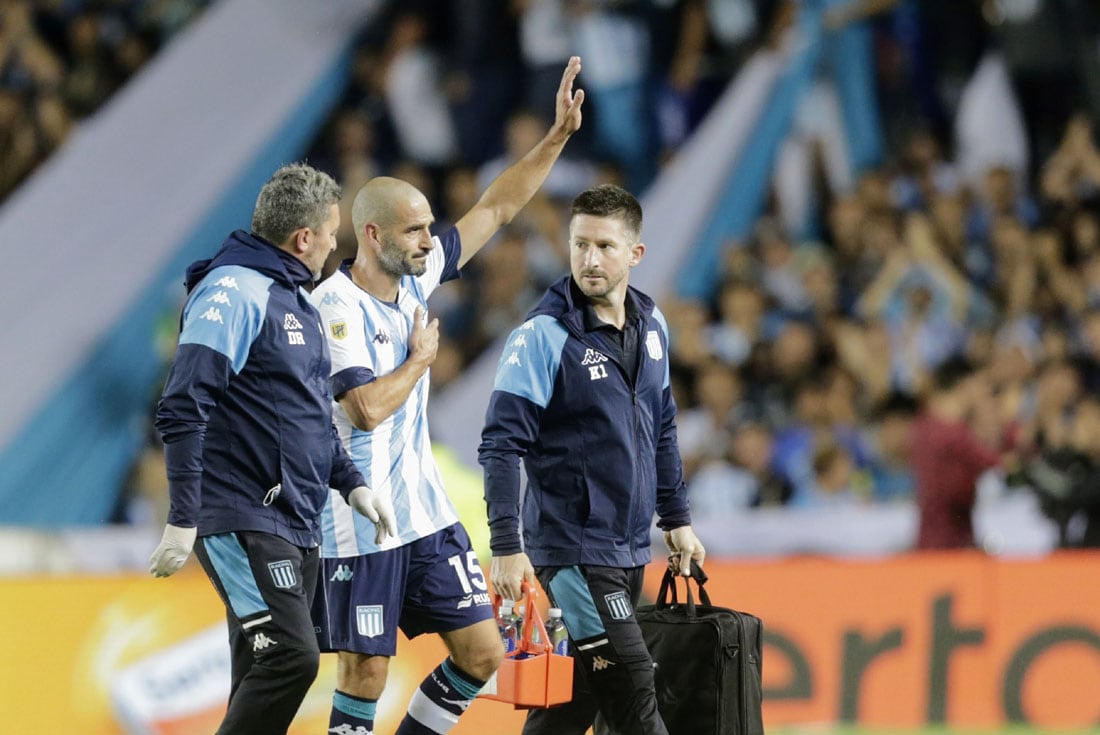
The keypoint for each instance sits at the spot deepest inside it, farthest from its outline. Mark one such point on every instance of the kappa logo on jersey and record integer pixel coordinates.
(513, 359)
(520, 340)
(213, 315)
(618, 605)
(343, 573)
(282, 574)
(291, 322)
(653, 344)
(262, 641)
(599, 663)
(227, 282)
(529, 324)
(369, 620)
(221, 297)
(331, 299)
(347, 729)
(381, 337)
(593, 357)
(338, 329)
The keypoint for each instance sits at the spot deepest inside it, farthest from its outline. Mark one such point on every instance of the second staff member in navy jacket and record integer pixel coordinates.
(246, 419)
(582, 396)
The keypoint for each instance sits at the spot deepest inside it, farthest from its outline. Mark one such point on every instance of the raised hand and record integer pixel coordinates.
(567, 115)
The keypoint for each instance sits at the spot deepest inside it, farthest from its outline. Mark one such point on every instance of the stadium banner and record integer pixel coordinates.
(133, 655)
(906, 641)
(957, 638)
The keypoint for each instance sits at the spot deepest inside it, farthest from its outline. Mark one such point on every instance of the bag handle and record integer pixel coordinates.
(668, 585)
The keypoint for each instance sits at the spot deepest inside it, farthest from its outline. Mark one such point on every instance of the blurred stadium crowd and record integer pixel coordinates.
(800, 381)
(61, 59)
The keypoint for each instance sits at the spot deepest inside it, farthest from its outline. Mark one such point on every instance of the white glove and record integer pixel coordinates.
(377, 506)
(686, 547)
(175, 546)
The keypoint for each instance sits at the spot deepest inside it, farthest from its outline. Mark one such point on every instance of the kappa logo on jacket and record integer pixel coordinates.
(213, 315)
(291, 325)
(221, 297)
(227, 282)
(594, 360)
(593, 357)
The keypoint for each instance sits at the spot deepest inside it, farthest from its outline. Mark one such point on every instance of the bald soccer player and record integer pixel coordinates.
(426, 579)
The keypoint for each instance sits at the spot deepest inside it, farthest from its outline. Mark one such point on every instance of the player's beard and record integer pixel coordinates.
(397, 262)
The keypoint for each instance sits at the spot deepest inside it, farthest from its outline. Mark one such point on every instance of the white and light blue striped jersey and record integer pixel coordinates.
(369, 338)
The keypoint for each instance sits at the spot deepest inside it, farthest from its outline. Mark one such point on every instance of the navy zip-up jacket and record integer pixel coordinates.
(599, 445)
(246, 414)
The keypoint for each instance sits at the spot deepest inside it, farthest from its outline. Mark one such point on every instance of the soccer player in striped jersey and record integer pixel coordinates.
(427, 579)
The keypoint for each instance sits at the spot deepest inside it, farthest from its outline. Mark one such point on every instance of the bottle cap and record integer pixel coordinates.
(554, 612)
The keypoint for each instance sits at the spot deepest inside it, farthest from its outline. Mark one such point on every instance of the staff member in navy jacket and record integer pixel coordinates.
(246, 419)
(582, 396)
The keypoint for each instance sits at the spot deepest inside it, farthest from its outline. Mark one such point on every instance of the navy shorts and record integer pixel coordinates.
(432, 585)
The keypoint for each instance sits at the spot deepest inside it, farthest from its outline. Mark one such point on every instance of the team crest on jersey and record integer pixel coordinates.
(369, 620)
(653, 344)
(338, 328)
(282, 574)
(618, 605)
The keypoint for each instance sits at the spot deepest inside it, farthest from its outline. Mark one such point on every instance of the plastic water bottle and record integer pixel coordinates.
(555, 630)
(518, 611)
(506, 623)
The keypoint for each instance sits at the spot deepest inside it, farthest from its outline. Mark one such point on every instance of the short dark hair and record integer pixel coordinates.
(608, 200)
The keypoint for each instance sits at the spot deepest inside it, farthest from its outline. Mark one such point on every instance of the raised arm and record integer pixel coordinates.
(515, 186)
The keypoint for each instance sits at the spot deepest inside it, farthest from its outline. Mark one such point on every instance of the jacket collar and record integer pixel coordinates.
(252, 251)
